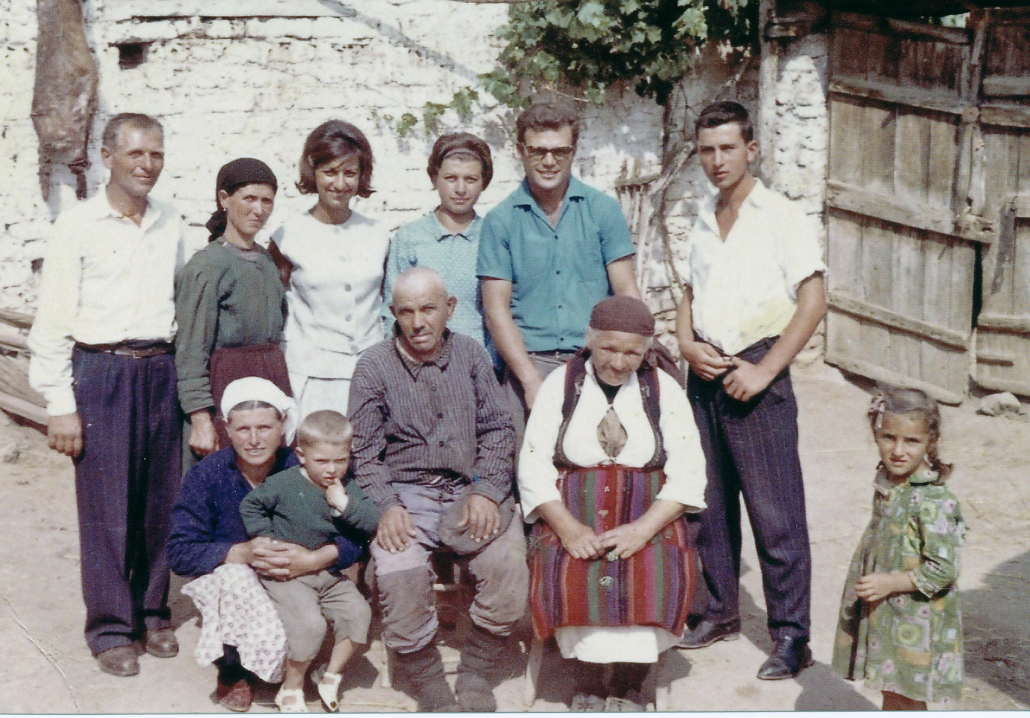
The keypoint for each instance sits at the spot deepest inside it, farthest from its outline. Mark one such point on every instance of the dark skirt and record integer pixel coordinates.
(653, 587)
(231, 363)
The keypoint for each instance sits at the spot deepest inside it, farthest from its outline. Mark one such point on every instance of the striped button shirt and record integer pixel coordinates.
(413, 420)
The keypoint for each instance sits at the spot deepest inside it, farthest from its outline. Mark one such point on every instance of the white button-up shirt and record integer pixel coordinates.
(745, 288)
(105, 280)
(334, 303)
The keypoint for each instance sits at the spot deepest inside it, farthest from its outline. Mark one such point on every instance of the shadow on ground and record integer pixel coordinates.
(996, 622)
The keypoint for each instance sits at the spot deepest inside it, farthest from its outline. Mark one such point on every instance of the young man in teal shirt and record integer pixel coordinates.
(548, 253)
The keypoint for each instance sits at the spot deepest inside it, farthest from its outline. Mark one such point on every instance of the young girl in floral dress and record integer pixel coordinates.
(900, 624)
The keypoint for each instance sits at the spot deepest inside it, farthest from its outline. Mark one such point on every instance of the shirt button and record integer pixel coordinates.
(346, 287)
(442, 443)
(440, 415)
(347, 317)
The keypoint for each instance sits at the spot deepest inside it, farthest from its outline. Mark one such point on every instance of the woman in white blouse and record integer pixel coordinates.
(332, 260)
(610, 462)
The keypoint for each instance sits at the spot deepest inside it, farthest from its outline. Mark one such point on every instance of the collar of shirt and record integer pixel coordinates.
(522, 197)
(413, 366)
(758, 199)
(101, 208)
(884, 485)
(443, 233)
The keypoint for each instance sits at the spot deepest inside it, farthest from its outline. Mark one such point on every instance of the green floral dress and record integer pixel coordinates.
(909, 643)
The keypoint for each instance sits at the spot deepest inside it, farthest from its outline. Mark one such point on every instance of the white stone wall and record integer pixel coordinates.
(255, 86)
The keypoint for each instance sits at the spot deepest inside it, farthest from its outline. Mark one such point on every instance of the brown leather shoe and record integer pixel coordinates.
(119, 661)
(235, 697)
(161, 642)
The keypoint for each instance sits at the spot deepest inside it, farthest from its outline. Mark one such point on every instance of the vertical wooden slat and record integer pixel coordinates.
(845, 160)
(913, 148)
(844, 255)
(942, 156)
(877, 147)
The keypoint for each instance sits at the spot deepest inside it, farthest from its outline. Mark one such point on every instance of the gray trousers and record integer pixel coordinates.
(305, 604)
(405, 579)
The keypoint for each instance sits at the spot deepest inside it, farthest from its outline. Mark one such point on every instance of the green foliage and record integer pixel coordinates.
(587, 45)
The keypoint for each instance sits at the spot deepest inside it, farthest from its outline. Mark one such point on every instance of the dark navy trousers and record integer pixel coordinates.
(125, 483)
(751, 450)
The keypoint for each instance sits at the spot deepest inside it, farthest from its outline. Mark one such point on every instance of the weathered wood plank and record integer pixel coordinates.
(877, 148)
(886, 318)
(24, 409)
(849, 198)
(1005, 116)
(910, 96)
(1006, 86)
(876, 259)
(844, 254)
(17, 319)
(913, 157)
(845, 162)
(953, 395)
(942, 159)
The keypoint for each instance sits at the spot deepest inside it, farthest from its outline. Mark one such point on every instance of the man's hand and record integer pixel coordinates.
(624, 541)
(746, 380)
(395, 531)
(203, 438)
(282, 561)
(64, 434)
(878, 586)
(482, 517)
(705, 360)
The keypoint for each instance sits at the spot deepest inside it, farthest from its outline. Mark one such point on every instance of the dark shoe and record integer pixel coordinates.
(119, 661)
(424, 671)
(790, 656)
(236, 696)
(161, 642)
(709, 632)
(479, 656)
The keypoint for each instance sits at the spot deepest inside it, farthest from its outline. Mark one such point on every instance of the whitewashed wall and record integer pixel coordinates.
(232, 86)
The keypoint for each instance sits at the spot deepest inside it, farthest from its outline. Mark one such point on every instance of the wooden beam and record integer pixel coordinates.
(892, 94)
(885, 317)
(1004, 323)
(18, 319)
(878, 373)
(1016, 387)
(24, 409)
(848, 198)
(1006, 86)
(922, 31)
(1005, 116)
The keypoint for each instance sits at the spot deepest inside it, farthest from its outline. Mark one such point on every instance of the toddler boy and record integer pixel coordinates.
(310, 505)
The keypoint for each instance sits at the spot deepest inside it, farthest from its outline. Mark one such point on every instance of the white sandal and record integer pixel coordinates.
(296, 705)
(328, 690)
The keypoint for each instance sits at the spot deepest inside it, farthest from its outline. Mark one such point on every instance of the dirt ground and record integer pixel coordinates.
(47, 669)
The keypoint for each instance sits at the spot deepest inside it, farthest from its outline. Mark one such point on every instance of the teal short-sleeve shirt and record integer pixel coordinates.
(557, 273)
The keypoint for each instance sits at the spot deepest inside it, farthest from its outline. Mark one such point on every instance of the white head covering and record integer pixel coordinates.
(253, 388)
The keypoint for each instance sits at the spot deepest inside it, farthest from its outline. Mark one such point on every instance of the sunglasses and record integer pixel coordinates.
(538, 154)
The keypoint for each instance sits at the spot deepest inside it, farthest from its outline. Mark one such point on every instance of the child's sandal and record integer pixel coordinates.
(296, 703)
(329, 689)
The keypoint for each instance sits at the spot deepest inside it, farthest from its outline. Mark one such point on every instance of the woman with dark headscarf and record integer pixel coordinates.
(610, 462)
(332, 259)
(229, 304)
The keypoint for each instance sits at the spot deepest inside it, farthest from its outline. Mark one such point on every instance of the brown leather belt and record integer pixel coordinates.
(132, 349)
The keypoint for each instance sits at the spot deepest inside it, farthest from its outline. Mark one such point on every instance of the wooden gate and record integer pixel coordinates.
(915, 204)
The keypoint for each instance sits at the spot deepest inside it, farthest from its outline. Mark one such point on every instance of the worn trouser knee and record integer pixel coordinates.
(409, 608)
(502, 581)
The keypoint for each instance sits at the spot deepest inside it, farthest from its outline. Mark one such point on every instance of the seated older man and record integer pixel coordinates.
(434, 447)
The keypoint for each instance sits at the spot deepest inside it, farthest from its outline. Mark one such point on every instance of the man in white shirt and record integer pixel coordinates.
(102, 357)
(755, 297)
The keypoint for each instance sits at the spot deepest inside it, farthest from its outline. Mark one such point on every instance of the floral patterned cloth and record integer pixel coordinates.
(235, 609)
(910, 643)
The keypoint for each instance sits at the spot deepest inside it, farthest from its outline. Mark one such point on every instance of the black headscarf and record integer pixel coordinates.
(232, 176)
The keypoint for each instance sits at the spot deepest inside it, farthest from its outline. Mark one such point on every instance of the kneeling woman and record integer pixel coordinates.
(241, 632)
(610, 462)
(230, 304)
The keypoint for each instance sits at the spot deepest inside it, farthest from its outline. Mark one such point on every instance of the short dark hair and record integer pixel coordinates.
(547, 116)
(331, 141)
(144, 123)
(722, 113)
(461, 145)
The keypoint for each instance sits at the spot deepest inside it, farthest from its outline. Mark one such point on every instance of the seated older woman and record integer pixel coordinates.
(241, 632)
(610, 462)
